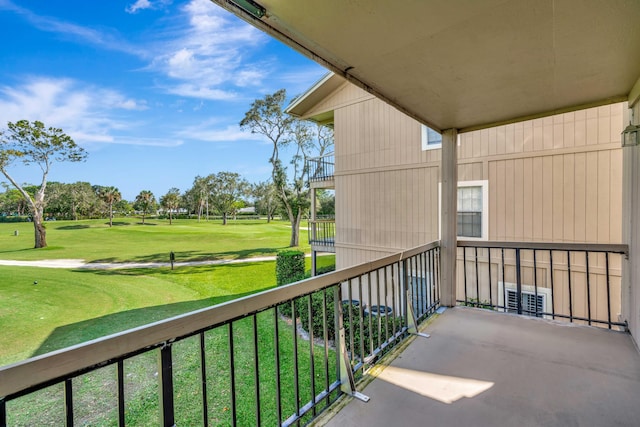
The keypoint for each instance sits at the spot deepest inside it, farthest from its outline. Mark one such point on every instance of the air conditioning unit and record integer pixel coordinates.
(533, 301)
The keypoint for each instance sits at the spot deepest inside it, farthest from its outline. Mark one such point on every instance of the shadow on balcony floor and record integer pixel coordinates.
(488, 369)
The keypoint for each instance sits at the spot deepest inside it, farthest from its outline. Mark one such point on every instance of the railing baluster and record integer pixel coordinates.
(166, 385)
(504, 283)
(312, 365)
(570, 290)
(325, 336)
(394, 302)
(68, 402)
(370, 314)
(121, 403)
(518, 281)
(296, 384)
(203, 380)
(352, 349)
(380, 305)
(256, 367)
(276, 355)
(489, 272)
(386, 298)
(553, 305)
(361, 320)
(535, 282)
(477, 279)
(608, 290)
(586, 254)
(232, 374)
(464, 273)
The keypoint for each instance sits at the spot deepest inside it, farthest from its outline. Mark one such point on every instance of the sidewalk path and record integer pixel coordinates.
(80, 264)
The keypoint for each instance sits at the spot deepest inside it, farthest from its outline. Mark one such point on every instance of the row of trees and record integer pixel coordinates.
(33, 143)
(220, 194)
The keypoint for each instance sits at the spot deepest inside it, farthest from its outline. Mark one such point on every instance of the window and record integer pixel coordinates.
(473, 209)
(430, 139)
(473, 217)
(470, 211)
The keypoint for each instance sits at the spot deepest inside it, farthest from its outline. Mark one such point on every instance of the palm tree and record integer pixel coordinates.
(110, 195)
(171, 201)
(145, 202)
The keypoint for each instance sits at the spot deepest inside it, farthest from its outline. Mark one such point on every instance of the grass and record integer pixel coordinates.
(129, 240)
(70, 307)
(67, 307)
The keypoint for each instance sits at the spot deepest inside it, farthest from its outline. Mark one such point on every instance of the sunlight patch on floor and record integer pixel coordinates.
(444, 388)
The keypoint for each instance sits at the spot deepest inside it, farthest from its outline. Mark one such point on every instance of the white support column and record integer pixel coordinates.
(449, 215)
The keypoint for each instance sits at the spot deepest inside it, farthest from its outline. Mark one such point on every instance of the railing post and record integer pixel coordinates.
(165, 372)
(409, 315)
(3, 413)
(347, 381)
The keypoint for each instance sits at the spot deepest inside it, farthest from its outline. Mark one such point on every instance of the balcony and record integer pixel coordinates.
(320, 171)
(246, 362)
(322, 235)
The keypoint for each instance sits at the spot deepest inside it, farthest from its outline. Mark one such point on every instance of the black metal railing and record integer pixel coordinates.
(321, 168)
(565, 281)
(322, 232)
(281, 356)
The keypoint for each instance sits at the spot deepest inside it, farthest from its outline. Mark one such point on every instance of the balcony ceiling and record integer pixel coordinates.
(468, 63)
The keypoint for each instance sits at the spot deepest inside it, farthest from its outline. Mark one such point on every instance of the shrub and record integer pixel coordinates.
(289, 267)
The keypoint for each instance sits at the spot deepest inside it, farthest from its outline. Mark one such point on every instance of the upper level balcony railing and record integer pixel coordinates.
(244, 362)
(322, 232)
(321, 168)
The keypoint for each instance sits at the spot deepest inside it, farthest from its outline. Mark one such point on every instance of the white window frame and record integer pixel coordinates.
(485, 208)
(526, 289)
(425, 139)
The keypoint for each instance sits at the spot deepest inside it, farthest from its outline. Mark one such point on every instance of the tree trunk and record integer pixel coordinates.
(170, 219)
(224, 218)
(143, 218)
(39, 230)
(295, 230)
(110, 215)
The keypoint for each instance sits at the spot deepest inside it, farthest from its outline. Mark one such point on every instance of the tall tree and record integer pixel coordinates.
(227, 189)
(33, 143)
(145, 202)
(265, 198)
(171, 202)
(267, 117)
(109, 195)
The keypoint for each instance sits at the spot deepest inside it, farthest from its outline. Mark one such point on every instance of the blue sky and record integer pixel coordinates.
(152, 89)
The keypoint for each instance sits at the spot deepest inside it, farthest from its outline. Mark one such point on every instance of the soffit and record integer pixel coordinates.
(468, 63)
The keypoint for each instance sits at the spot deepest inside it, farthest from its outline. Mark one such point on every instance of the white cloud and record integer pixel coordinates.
(210, 133)
(110, 40)
(209, 53)
(146, 4)
(86, 113)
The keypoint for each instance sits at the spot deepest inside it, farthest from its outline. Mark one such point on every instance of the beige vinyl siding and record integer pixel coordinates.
(551, 179)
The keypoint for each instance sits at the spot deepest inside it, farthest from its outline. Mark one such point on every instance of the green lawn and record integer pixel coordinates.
(67, 307)
(129, 240)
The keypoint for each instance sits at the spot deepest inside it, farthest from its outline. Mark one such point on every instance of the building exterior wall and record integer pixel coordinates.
(556, 179)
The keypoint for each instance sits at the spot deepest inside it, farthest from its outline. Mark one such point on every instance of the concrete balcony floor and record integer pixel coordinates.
(482, 368)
